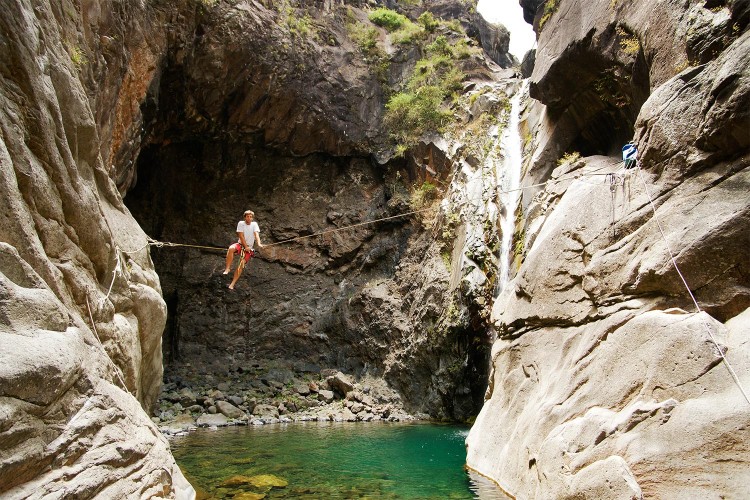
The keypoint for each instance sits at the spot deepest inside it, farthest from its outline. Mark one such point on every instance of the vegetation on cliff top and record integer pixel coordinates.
(419, 105)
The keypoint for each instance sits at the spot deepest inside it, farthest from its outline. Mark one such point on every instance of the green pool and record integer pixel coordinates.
(331, 460)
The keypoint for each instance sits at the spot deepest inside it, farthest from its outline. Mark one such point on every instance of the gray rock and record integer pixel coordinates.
(265, 411)
(187, 398)
(210, 420)
(302, 389)
(236, 400)
(250, 405)
(325, 396)
(229, 409)
(341, 383)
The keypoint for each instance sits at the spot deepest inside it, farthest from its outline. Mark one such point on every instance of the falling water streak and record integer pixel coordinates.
(508, 174)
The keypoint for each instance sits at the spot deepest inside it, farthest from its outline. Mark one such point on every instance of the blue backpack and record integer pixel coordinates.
(629, 155)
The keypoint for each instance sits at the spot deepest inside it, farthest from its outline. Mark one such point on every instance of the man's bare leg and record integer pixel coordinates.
(237, 274)
(230, 258)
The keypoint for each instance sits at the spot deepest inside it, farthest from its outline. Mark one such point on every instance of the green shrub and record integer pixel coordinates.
(408, 33)
(550, 7)
(301, 26)
(428, 21)
(462, 50)
(77, 57)
(423, 195)
(569, 158)
(366, 37)
(388, 19)
(440, 46)
(628, 41)
(419, 109)
(411, 114)
(455, 26)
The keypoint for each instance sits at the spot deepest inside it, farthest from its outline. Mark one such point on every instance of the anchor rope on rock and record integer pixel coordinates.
(118, 371)
(690, 292)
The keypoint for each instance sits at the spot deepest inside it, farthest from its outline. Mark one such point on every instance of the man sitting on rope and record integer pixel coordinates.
(248, 233)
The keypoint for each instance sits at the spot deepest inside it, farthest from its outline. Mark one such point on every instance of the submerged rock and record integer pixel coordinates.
(268, 481)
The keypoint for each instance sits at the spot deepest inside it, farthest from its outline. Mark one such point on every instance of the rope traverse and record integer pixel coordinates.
(613, 178)
(159, 244)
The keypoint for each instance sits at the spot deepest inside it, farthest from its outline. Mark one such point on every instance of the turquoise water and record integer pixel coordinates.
(331, 460)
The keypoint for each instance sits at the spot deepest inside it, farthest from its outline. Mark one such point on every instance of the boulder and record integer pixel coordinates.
(229, 409)
(302, 389)
(264, 411)
(187, 398)
(325, 396)
(341, 383)
(209, 420)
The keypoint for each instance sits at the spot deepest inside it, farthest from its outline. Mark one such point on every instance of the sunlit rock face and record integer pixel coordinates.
(80, 315)
(606, 382)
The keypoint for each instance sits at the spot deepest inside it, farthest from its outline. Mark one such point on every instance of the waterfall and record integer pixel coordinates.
(508, 175)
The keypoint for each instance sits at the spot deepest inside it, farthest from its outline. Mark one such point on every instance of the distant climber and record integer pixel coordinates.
(248, 234)
(629, 155)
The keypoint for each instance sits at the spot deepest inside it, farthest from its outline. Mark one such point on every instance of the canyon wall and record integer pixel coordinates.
(293, 129)
(81, 318)
(607, 382)
(604, 383)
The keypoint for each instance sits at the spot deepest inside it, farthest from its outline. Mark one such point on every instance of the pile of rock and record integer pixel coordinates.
(260, 396)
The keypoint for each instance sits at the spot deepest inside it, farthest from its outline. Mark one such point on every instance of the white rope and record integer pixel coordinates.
(96, 334)
(117, 270)
(684, 282)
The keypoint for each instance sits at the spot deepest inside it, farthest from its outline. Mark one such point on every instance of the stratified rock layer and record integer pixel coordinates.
(606, 383)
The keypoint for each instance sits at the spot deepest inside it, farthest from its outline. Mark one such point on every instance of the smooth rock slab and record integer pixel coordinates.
(208, 420)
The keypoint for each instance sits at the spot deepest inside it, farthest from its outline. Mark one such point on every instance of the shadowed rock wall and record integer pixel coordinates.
(289, 129)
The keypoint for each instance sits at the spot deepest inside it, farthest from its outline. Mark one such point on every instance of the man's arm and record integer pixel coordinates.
(257, 239)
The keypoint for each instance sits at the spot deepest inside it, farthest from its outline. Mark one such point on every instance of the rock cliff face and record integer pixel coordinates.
(81, 323)
(291, 129)
(606, 382)
(602, 385)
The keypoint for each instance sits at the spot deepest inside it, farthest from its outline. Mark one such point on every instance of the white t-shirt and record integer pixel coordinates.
(249, 230)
